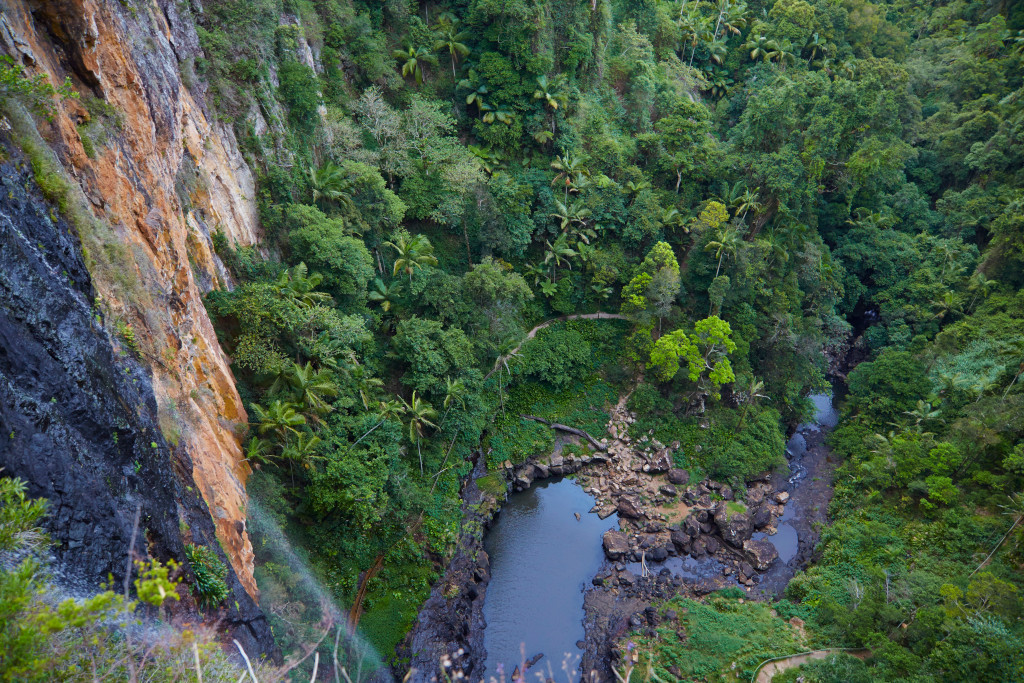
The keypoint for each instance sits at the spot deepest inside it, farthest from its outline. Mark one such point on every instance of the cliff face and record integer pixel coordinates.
(79, 417)
(163, 178)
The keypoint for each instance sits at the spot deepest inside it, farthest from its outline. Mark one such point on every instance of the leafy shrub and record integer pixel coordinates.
(209, 587)
(558, 357)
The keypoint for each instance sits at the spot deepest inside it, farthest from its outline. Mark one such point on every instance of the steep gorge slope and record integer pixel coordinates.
(163, 179)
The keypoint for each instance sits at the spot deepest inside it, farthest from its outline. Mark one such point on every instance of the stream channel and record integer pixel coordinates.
(543, 558)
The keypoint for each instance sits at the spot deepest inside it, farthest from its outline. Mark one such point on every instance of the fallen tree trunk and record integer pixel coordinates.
(571, 430)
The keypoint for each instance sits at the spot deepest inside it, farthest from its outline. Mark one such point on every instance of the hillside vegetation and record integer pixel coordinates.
(763, 189)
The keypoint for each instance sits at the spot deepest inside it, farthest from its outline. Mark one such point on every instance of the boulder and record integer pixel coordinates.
(782, 497)
(712, 545)
(658, 554)
(661, 462)
(616, 544)
(678, 477)
(680, 539)
(627, 578)
(754, 496)
(628, 507)
(735, 529)
(668, 490)
(760, 517)
(726, 493)
(761, 553)
(691, 526)
(541, 471)
(698, 548)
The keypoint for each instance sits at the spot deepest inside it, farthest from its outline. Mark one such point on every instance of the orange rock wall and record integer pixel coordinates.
(128, 54)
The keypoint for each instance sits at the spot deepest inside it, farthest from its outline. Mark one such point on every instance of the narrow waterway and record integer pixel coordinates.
(810, 487)
(542, 557)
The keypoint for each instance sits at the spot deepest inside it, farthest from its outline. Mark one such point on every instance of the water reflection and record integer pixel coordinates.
(541, 559)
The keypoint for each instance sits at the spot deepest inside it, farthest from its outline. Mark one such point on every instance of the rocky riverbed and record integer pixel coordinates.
(676, 535)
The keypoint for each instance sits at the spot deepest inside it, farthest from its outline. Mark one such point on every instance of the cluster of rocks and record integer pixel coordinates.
(522, 476)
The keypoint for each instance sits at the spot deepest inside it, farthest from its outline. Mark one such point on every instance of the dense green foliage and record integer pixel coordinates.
(745, 183)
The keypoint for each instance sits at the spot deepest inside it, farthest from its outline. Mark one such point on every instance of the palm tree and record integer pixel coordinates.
(726, 243)
(420, 415)
(782, 53)
(752, 395)
(720, 84)
(384, 294)
(280, 419)
(949, 303)
(455, 392)
(551, 92)
(295, 283)
(672, 219)
(258, 450)
(365, 384)
(330, 184)
(558, 253)
(476, 92)
(412, 254)
(413, 59)
(489, 160)
(734, 18)
(816, 46)
(450, 40)
(391, 410)
(311, 388)
(301, 450)
(570, 170)
(760, 47)
(981, 286)
(924, 412)
(696, 29)
(747, 202)
(501, 114)
(570, 216)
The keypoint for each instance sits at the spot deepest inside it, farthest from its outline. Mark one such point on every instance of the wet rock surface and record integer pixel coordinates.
(78, 416)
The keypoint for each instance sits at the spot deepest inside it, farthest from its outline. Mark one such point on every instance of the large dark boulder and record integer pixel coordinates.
(628, 507)
(691, 526)
(761, 553)
(678, 477)
(760, 517)
(681, 540)
(660, 462)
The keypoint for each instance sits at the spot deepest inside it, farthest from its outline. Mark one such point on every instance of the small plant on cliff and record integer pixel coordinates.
(35, 92)
(127, 334)
(209, 587)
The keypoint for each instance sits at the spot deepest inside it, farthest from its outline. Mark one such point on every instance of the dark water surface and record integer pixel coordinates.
(541, 559)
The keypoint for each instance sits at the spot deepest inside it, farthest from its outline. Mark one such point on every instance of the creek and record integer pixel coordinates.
(541, 559)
